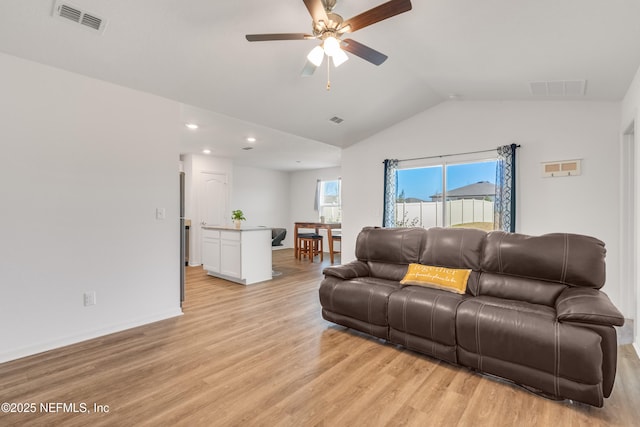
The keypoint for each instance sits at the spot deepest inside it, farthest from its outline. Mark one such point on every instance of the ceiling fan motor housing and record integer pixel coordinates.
(334, 24)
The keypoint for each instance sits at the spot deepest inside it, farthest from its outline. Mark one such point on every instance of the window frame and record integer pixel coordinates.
(444, 162)
(338, 204)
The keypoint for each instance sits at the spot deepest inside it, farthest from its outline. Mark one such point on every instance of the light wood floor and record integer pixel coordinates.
(263, 356)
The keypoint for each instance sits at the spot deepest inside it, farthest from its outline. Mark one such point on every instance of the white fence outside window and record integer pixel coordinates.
(429, 214)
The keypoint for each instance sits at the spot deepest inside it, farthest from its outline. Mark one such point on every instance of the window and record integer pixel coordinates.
(329, 201)
(447, 195)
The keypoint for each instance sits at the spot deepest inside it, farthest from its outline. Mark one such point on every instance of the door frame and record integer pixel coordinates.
(630, 286)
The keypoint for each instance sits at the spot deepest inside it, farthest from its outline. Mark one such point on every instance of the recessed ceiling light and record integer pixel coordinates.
(191, 126)
(251, 139)
(206, 151)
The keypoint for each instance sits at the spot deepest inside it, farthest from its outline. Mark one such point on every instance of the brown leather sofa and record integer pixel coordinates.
(532, 312)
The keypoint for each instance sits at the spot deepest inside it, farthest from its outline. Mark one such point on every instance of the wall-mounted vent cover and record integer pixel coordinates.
(337, 120)
(562, 168)
(559, 88)
(70, 13)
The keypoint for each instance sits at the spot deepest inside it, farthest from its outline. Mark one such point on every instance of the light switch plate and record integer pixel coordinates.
(161, 213)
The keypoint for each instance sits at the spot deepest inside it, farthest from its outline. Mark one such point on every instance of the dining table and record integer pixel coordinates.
(317, 226)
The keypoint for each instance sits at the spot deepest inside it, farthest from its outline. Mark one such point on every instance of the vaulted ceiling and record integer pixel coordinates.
(195, 52)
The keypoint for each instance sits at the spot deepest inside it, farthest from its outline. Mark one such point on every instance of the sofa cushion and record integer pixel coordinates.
(364, 298)
(425, 312)
(423, 319)
(390, 245)
(386, 271)
(519, 288)
(527, 334)
(563, 258)
(446, 279)
(453, 247)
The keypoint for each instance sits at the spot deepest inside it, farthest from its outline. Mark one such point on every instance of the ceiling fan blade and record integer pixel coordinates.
(308, 69)
(316, 9)
(364, 52)
(377, 14)
(285, 36)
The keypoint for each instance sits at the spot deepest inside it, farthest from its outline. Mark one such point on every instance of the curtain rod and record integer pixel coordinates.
(451, 155)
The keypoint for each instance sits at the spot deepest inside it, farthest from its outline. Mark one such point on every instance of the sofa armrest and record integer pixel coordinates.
(348, 271)
(586, 305)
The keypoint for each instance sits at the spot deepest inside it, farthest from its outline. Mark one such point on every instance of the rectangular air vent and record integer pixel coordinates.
(562, 168)
(68, 12)
(558, 88)
(337, 120)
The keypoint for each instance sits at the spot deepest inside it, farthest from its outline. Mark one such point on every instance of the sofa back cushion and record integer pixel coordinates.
(390, 245)
(518, 288)
(570, 259)
(388, 251)
(453, 248)
(537, 269)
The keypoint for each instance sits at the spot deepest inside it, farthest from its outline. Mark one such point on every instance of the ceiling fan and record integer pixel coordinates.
(329, 27)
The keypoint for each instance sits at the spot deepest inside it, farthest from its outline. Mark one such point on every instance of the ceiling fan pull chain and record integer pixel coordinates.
(328, 74)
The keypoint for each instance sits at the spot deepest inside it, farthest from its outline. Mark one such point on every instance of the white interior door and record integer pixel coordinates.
(214, 197)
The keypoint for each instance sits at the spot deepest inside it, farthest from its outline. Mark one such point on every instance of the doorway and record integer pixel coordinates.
(213, 198)
(211, 194)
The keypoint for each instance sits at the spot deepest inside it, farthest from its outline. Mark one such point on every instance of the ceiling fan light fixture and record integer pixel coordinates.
(316, 56)
(339, 58)
(331, 46)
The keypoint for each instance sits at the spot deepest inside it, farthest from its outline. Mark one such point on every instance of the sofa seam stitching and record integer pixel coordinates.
(500, 254)
(565, 259)
(404, 321)
(369, 312)
(478, 346)
(556, 385)
(433, 310)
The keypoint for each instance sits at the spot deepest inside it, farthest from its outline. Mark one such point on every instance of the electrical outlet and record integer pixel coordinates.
(89, 298)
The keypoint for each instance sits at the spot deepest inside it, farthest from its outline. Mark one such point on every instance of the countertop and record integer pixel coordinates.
(233, 228)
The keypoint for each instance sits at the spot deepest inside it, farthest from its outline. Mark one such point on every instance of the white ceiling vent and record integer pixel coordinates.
(337, 120)
(559, 88)
(68, 12)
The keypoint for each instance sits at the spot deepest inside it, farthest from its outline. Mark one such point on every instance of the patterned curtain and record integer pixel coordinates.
(505, 202)
(390, 181)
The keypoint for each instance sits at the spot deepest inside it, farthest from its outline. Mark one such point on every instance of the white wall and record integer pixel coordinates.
(547, 131)
(263, 196)
(85, 165)
(631, 115)
(303, 194)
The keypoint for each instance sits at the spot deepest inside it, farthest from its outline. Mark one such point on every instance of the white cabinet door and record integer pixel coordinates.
(211, 254)
(230, 258)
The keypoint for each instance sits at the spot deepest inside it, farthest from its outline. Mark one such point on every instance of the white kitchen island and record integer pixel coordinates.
(241, 255)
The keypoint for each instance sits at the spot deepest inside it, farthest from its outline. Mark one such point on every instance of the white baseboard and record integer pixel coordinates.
(62, 342)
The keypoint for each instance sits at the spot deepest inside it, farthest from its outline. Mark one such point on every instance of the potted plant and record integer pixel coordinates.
(237, 216)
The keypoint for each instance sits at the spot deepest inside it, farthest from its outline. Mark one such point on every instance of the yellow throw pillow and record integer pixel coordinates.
(447, 279)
